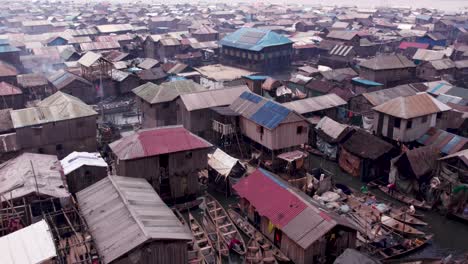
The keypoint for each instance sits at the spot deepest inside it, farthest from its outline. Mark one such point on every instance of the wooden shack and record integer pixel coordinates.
(170, 158)
(269, 124)
(131, 224)
(157, 103)
(406, 119)
(257, 50)
(33, 184)
(301, 229)
(11, 96)
(73, 84)
(329, 134)
(319, 106)
(82, 169)
(365, 155)
(59, 125)
(94, 67)
(389, 70)
(194, 109)
(34, 86)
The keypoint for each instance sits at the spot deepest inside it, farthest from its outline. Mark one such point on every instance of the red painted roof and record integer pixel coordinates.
(270, 197)
(8, 89)
(405, 44)
(157, 141)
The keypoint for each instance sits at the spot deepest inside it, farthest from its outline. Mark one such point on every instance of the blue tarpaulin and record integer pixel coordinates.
(366, 82)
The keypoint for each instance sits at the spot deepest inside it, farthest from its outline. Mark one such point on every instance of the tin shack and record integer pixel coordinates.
(131, 224)
(170, 158)
(301, 229)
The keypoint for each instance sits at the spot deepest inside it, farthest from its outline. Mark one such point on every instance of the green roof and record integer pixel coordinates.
(254, 39)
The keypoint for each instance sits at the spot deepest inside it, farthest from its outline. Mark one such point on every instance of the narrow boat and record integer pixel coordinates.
(188, 205)
(253, 254)
(252, 232)
(416, 261)
(405, 199)
(221, 247)
(224, 225)
(399, 250)
(406, 218)
(202, 241)
(194, 254)
(400, 227)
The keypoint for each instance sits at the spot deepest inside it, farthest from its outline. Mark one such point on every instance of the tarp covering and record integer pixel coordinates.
(328, 149)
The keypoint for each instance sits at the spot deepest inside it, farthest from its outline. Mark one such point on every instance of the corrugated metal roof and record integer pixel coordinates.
(446, 142)
(55, 108)
(89, 58)
(314, 104)
(260, 110)
(386, 62)
(167, 91)
(76, 160)
(382, 96)
(366, 145)
(33, 244)
(260, 188)
(294, 213)
(412, 106)
(254, 39)
(428, 55)
(113, 28)
(443, 64)
(212, 98)
(62, 79)
(157, 141)
(342, 34)
(19, 176)
(105, 45)
(124, 213)
(31, 80)
(330, 127)
(148, 63)
(220, 73)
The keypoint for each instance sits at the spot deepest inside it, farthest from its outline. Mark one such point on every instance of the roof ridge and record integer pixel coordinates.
(127, 205)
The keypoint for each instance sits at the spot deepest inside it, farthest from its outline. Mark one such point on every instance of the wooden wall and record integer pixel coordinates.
(60, 138)
(157, 252)
(283, 136)
(84, 177)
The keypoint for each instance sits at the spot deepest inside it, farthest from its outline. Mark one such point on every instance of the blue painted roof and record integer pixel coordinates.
(256, 77)
(366, 82)
(254, 39)
(260, 110)
(270, 115)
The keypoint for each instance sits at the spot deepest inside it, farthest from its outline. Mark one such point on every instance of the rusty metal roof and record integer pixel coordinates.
(124, 213)
(382, 96)
(8, 89)
(387, 62)
(167, 91)
(314, 104)
(212, 98)
(446, 142)
(89, 58)
(412, 106)
(57, 107)
(157, 141)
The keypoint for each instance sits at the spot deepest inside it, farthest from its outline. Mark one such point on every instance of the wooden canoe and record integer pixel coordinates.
(221, 247)
(202, 241)
(403, 248)
(194, 254)
(406, 218)
(405, 199)
(223, 224)
(252, 232)
(400, 227)
(254, 253)
(188, 205)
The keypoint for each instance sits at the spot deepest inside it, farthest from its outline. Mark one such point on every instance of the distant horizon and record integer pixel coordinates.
(445, 5)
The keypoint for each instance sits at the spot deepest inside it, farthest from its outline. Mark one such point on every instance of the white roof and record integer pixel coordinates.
(30, 245)
(78, 159)
(221, 162)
